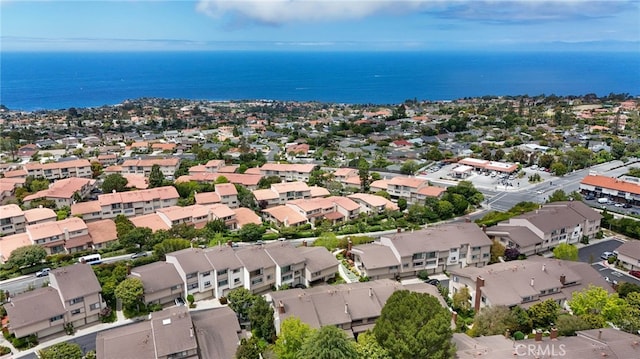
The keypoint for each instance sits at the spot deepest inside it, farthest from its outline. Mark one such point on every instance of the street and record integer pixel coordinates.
(87, 342)
(591, 254)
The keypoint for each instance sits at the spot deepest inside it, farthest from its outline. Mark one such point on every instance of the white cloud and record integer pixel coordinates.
(276, 12)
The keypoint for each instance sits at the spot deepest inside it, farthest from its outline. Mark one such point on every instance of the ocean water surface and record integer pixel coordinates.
(31, 81)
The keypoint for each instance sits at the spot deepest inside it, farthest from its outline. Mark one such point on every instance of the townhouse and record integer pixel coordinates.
(212, 166)
(59, 170)
(342, 175)
(225, 193)
(280, 193)
(64, 192)
(248, 180)
(372, 204)
(168, 166)
(628, 255)
(525, 283)
(133, 203)
(412, 189)
(626, 190)
(65, 236)
(214, 272)
(353, 307)
(543, 229)
(434, 250)
(284, 216)
(287, 171)
(161, 281)
(73, 297)
(174, 333)
(14, 220)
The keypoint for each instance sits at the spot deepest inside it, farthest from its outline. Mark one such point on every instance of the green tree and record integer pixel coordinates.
(123, 225)
(38, 185)
(544, 313)
(434, 154)
(261, 318)
(96, 169)
(409, 333)
(493, 320)
(130, 292)
(368, 347)
(114, 182)
(329, 342)
(293, 333)
(137, 237)
(62, 350)
(363, 174)
(170, 245)
(215, 226)
(251, 232)
(245, 197)
(568, 325)
(328, 240)
(558, 196)
(566, 251)
(409, 167)
(402, 204)
(27, 256)
(249, 349)
(461, 300)
(545, 160)
(559, 169)
(626, 288)
(445, 209)
(497, 251)
(240, 300)
(156, 177)
(266, 182)
(596, 300)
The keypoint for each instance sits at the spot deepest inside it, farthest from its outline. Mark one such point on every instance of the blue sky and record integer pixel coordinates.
(145, 25)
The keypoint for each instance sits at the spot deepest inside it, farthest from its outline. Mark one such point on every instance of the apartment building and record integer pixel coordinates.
(433, 250)
(168, 166)
(133, 203)
(413, 190)
(280, 193)
(628, 255)
(161, 281)
(372, 204)
(245, 179)
(14, 220)
(72, 297)
(213, 166)
(525, 283)
(59, 170)
(63, 192)
(225, 193)
(287, 171)
(213, 272)
(543, 229)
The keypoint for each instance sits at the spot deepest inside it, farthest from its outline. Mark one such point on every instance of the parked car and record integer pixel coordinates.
(635, 273)
(590, 197)
(627, 205)
(300, 285)
(139, 255)
(179, 301)
(607, 255)
(43, 272)
(432, 281)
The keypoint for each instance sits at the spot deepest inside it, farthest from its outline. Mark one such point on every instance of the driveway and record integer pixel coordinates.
(591, 253)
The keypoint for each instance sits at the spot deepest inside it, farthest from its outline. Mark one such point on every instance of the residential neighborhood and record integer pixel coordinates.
(199, 229)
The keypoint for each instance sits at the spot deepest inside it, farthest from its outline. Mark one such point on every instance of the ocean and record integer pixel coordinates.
(33, 81)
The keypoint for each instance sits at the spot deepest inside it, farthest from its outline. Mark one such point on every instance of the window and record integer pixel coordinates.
(94, 306)
(285, 269)
(206, 274)
(192, 286)
(207, 284)
(236, 281)
(315, 274)
(57, 317)
(431, 255)
(483, 299)
(475, 248)
(191, 275)
(287, 277)
(256, 281)
(418, 256)
(76, 300)
(418, 264)
(485, 255)
(256, 272)
(223, 283)
(75, 311)
(222, 272)
(237, 270)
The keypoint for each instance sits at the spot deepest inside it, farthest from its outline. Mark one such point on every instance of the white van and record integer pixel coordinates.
(603, 200)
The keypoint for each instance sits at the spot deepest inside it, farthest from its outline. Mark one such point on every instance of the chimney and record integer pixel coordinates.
(113, 191)
(230, 243)
(484, 227)
(538, 335)
(479, 285)
(280, 307)
(304, 243)
(66, 234)
(599, 334)
(349, 245)
(399, 229)
(454, 316)
(532, 281)
(346, 308)
(370, 292)
(554, 333)
(507, 333)
(544, 267)
(563, 279)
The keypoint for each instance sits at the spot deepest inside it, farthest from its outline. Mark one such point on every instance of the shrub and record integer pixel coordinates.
(4, 350)
(190, 299)
(270, 236)
(223, 300)
(518, 335)
(612, 260)
(155, 307)
(423, 274)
